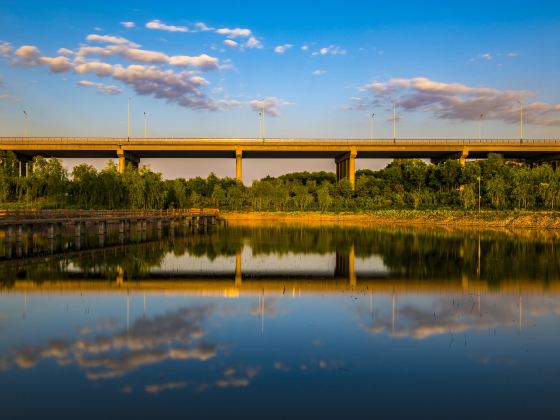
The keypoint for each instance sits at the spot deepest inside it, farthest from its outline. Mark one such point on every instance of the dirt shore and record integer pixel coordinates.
(449, 218)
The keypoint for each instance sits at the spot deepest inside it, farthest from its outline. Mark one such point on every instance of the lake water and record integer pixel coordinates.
(287, 322)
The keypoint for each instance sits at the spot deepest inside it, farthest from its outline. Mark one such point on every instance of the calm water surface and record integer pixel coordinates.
(287, 322)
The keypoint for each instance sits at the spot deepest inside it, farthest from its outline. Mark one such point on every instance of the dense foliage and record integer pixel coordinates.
(404, 183)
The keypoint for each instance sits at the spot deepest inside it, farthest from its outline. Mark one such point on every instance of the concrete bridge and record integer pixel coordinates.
(343, 151)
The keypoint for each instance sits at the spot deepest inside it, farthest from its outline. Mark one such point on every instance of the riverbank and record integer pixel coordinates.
(455, 218)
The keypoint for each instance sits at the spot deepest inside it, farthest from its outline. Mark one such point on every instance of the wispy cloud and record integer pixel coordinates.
(159, 25)
(318, 72)
(128, 24)
(330, 50)
(455, 101)
(5, 48)
(270, 105)
(281, 49)
(101, 88)
(234, 32)
(110, 39)
(29, 56)
(230, 43)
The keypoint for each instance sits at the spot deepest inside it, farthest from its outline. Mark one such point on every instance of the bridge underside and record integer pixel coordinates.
(343, 152)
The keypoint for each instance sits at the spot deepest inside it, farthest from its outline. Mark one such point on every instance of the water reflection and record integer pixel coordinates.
(326, 318)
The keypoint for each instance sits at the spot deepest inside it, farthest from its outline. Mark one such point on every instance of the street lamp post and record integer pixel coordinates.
(145, 125)
(520, 121)
(371, 127)
(129, 118)
(26, 123)
(261, 121)
(394, 123)
(479, 125)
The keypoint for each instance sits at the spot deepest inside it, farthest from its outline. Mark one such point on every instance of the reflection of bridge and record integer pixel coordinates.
(344, 152)
(277, 286)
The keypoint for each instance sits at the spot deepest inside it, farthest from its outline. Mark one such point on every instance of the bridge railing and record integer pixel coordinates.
(124, 141)
(36, 214)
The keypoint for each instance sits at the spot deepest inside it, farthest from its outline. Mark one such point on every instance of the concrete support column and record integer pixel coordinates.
(19, 233)
(463, 157)
(346, 167)
(239, 165)
(125, 158)
(121, 231)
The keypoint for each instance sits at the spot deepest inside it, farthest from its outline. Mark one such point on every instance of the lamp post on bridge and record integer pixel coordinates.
(145, 125)
(371, 126)
(261, 123)
(520, 121)
(26, 123)
(128, 118)
(479, 125)
(394, 122)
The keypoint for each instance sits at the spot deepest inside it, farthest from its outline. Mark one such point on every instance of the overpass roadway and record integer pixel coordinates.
(342, 151)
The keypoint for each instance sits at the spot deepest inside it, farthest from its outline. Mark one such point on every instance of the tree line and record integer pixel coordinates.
(403, 184)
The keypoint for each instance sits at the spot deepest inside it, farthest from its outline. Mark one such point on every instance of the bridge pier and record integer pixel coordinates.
(24, 165)
(460, 156)
(239, 166)
(125, 158)
(346, 167)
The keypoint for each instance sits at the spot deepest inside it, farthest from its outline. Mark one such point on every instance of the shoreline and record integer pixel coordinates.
(445, 218)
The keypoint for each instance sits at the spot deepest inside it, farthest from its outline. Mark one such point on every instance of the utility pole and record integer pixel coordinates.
(479, 196)
(145, 125)
(394, 122)
(261, 117)
(129, 117)
(520, 121)
(26, 123)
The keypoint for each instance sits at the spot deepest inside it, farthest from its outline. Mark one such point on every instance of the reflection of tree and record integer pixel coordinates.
(406, 252)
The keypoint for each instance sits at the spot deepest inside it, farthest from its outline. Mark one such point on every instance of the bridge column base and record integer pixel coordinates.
(239, 166)
(346, 167)
(125, 158)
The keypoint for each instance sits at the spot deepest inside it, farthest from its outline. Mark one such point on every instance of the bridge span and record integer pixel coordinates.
(343, 151)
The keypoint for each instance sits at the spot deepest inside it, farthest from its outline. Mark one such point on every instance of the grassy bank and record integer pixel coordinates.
(455, 218)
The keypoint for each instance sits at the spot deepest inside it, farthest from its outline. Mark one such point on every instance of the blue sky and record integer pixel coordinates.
(202, 69)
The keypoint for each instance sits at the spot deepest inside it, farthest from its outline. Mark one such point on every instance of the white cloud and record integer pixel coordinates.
(270, 105)
(27, 52)
(330, 50)
(281, 49)
(128, 24)
(7, 97)
(101, 88)
(456, 101)
(98, 68)
(235, 32)
(29, 56)
(109, 39)
(159, 25)
(304, 47)
(253, 43)
(5, 48)
(201, 26)
(203, 62)
(318, 72)
(230, 43)
(65, 51)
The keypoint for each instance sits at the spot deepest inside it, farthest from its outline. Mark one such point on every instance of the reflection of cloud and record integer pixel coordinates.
(157, 388)
(271, 308)
(171, 336)
(279, 365)
(459, 314)
(237, 378)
